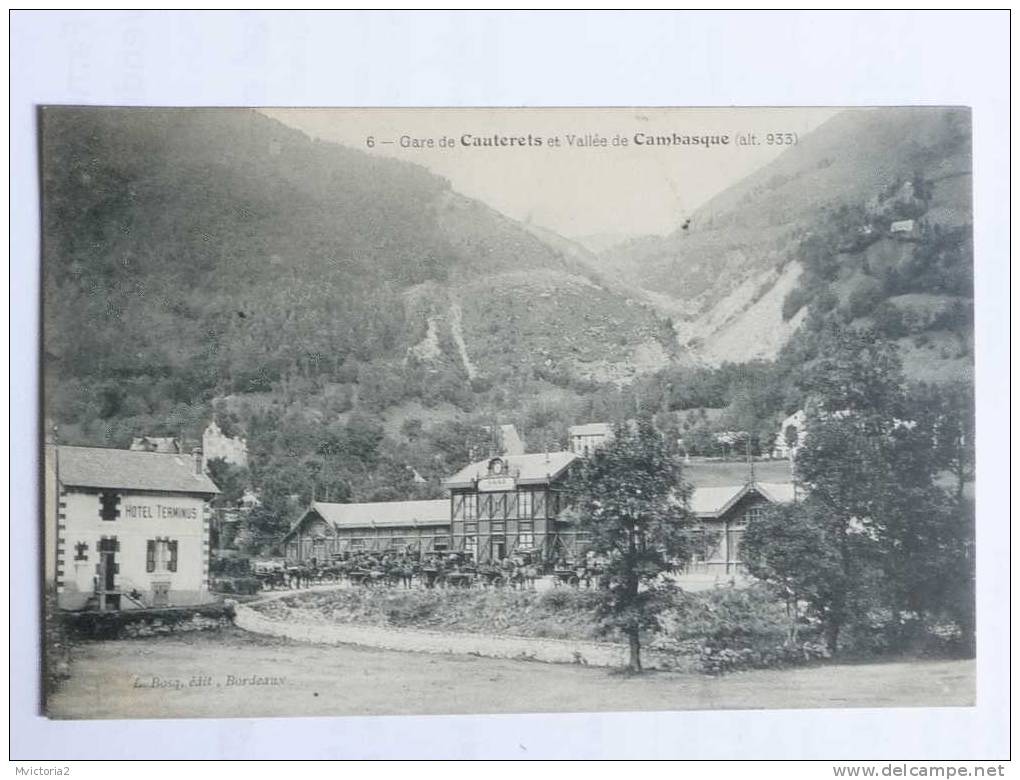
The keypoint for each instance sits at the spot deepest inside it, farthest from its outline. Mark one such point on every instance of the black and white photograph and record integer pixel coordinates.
(510, 385)
(470, 411)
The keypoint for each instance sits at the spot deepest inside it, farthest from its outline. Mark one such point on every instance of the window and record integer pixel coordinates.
(441, 543)
(81, 551)
(754, 513)
(485, 506)
(526, 534)
(499, 506)
(538, 499)
(471, 545)
(108, 506)
(161, 555)
(357, 544)
(470, 507)
(524, 503)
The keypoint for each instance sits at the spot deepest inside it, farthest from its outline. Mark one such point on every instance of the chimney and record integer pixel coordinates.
(196, 454)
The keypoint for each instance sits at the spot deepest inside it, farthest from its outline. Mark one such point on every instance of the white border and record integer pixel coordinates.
(511, 59)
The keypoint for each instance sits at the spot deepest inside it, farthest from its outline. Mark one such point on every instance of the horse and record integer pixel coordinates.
(406, 574)
(529, 574)
(296, 575)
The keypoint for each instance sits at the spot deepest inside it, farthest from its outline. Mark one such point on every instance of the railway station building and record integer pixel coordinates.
(512, 505)
(326, 530)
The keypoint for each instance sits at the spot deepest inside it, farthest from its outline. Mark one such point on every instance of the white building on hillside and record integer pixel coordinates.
(792, 432)
(216, 444)
(585, 439)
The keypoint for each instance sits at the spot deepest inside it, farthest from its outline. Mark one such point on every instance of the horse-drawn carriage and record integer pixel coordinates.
(271, 574)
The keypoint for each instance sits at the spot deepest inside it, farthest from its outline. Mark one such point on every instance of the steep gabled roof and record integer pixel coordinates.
(708, 502)
(110, 469)
(537, 468)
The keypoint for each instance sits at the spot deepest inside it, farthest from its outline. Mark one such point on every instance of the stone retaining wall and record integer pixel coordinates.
(563, 651)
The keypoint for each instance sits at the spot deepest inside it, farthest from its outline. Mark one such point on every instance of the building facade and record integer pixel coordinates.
(511, 505)
(216, 444)
(585, 439)
(328, 530)
(723, 513)
(129, 529)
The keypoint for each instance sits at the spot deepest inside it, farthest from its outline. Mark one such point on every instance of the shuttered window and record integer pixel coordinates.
(161, 555)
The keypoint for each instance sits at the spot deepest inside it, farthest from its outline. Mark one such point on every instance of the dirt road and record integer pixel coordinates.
(232, 673)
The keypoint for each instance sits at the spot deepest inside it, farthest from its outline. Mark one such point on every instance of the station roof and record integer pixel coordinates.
(538, 468)
(591, 429)
(112, 469)
(382, 514)
(715, 501)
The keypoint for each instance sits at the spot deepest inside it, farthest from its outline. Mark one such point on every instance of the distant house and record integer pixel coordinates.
(723, 513)
(216, 444)
(126, 529)
(156, 444)
(905, 229)
(585, 439)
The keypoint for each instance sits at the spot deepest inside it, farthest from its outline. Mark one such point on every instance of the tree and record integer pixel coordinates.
(232, 481)
(630, 498)
(870, 463)
(795, 553)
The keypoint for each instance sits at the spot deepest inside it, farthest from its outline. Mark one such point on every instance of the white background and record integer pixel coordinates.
(531, 59)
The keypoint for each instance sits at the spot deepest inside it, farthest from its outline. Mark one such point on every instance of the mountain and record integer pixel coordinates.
(197, 254)
(727, 276)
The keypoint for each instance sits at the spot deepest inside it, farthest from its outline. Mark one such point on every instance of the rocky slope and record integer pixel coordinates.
(729, 273)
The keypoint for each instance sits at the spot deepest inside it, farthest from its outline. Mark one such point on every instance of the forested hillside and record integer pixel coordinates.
(350, 315)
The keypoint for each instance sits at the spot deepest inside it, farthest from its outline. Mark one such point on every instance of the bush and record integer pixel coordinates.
(246, 586)
(139, 622)
(56, 644)
(410, 614)
(865, 297)
(230, 567)
(569, 599)
(889, 320)
(742, 628)
(719, 659)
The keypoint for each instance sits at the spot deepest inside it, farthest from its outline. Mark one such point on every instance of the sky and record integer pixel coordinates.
(593, 193)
